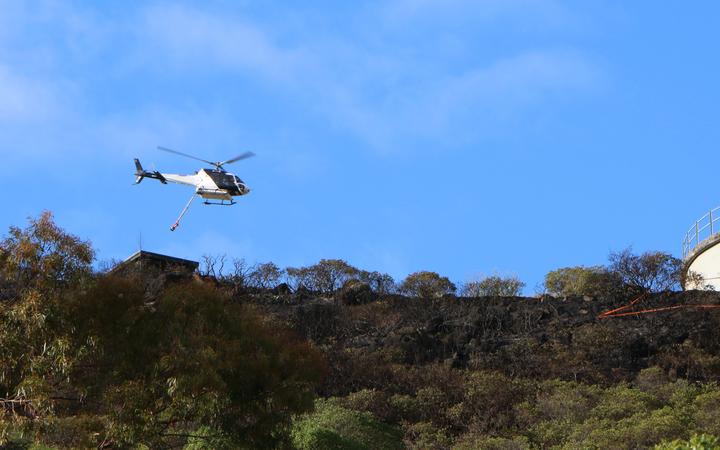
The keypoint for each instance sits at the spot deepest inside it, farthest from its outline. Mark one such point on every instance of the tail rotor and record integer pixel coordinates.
(139, 172)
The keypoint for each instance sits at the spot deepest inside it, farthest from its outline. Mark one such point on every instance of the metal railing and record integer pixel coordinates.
(702, 229)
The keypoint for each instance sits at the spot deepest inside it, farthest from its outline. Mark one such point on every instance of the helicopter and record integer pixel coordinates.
(210, 184)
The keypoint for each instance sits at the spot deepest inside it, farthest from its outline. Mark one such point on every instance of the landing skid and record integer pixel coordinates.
(221, 203)
(187, 206)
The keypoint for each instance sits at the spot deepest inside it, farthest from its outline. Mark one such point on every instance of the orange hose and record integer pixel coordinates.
(618, 312)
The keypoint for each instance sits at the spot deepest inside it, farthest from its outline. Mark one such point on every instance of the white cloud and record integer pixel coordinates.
(382, 93)
(515, 82)
(541, 13)
(484, 95)
(23, 98)
(189, 129)
(193, 38)
(375, 88)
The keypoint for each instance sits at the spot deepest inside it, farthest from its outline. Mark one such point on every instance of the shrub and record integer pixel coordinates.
(565, 400)
(427, 285)
(638, 431)
(472, 441)
(621, 401)
(707, 414)
(488, 402)
(593, 281)
(494, 286)
(650, 271)
(370, 400)
(212, 363)
(332, 427)
(696, 442)
(265, 276)
(654, 381)
(425, 436)
(326, 276)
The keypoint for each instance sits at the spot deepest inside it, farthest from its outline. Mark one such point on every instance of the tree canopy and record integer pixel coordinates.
(92, 361)
(426, 284)
(494, 286)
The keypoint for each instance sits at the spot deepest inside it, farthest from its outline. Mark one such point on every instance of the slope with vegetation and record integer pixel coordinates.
(333, 357)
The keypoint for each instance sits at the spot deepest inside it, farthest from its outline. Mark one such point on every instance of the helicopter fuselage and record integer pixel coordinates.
(211, 184)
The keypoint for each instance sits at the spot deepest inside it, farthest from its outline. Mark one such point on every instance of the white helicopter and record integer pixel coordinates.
(210, 184)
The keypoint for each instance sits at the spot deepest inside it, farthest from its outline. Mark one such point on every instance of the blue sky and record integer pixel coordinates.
(464, 137)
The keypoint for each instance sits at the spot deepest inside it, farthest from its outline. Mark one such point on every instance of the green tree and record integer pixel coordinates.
(42, 257)
(426, 436)
(494, 286)
(489, 402)
(707, 415)
(265, 275)
(93, 363)
(426, 285)
(333, 427)
(621, 401)
(592, 281)
(152, 373)
(326, 276)
(473, 441)
(696, 442)
(38, 266)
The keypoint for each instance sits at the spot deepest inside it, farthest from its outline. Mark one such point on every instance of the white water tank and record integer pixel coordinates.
(701, 252)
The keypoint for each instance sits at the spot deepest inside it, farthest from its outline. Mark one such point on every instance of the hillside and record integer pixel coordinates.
(519, 336)
(170, 358)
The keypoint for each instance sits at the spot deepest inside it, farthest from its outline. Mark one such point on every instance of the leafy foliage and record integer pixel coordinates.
(494, 286)
(89, 360)
(265, 275)
(591, 281)
(326, 276)
(427, 285)
(155, 372)
(43, 258)
(332, 426)
(696, 442)
(94, 362)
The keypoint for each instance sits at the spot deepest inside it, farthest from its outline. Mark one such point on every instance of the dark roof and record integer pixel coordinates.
(143, 255)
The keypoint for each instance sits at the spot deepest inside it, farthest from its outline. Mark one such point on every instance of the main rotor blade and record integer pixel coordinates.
(186, 155)
(245, 155)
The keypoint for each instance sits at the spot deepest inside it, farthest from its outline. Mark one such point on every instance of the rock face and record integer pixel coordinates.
(551, 337)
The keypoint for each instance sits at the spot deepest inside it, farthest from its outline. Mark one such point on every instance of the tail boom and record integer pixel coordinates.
(141, 173)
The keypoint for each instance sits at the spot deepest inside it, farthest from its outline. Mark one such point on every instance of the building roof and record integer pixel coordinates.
(142, 255)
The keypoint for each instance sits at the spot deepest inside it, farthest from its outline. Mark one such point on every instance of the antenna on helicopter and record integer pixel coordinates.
(218, 165)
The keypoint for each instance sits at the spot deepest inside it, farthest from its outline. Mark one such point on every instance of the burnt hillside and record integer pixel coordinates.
(530, 337)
